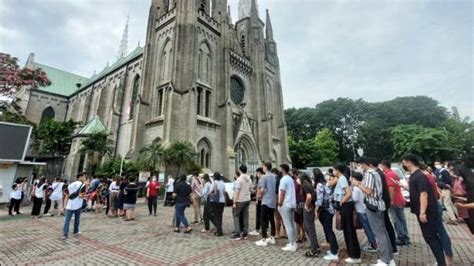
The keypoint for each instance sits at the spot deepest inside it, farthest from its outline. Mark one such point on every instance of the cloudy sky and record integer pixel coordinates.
(371, 49)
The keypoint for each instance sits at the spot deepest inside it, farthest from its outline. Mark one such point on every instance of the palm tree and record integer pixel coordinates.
(180, 154)
(152, 156)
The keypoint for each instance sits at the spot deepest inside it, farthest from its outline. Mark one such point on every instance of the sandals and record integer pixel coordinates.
(176, 231)
(188, 231)
(311, 254)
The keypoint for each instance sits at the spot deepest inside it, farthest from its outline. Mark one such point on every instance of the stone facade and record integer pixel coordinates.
(199, 78)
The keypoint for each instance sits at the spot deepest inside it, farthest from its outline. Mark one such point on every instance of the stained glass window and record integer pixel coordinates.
(237, 91)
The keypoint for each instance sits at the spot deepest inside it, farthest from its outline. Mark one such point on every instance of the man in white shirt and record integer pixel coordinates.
(57, 196)
(169, 191)
(74, 205)
(287, 206)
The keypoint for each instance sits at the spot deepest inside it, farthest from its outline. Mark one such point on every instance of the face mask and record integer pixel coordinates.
(438, 166)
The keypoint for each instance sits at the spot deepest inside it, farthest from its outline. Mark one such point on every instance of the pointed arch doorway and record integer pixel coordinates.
(246, 154)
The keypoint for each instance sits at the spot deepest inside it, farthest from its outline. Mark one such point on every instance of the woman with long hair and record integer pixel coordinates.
(295, 174)
(278, 219)
(206, 202)
(309, 196)
(343, 199)
(38, 195)
(182, 194)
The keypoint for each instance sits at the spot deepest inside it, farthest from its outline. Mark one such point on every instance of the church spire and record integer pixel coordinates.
(229, 15)
(254, 8)
(268, 28)
(124, 42)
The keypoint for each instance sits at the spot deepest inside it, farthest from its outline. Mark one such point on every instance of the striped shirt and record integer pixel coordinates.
(324, 193)
(373, 181)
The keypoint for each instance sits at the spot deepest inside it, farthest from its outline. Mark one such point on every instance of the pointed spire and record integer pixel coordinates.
(124, 43)
(254, 8)
(268, 28)
(229, 15)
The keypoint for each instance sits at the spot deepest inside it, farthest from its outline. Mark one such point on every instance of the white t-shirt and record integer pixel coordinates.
(57, 191)
(74, 204)
(114, 187)
(287, 184)
(16, 193)
(170, 185)
(39, 191)
(358, 198)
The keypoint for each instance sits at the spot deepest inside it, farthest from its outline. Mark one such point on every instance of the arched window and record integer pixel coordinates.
(47, 114)
(204, 62)
(199, 101)
(136, 84)
(204, 153)
(237, 90)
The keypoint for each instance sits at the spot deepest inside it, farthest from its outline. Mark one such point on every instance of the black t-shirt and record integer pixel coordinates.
(130, 196)
(309, 190)
(419, 183)
(182, 190)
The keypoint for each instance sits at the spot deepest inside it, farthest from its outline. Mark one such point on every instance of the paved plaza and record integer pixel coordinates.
(150, 240)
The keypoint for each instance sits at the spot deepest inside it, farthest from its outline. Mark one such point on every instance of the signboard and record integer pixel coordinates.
(14, 139)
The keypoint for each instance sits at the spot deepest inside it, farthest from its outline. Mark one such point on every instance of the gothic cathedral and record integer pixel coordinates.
(199, 78)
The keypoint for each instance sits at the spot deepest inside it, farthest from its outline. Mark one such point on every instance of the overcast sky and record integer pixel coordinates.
(376, 50)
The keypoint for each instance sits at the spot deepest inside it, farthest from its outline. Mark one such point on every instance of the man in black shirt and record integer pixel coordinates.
(423, 203)
(182, 193)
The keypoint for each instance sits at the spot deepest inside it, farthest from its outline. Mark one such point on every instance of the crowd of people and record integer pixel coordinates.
(366, 196)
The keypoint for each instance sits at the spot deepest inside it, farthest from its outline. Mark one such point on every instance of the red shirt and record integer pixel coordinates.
(153, 188)
(392, 180)
(432, 181)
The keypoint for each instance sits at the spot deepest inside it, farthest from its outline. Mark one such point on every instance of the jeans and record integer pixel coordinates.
(431, 235)
(241, 210)
(67, 221)
(397, 214)
(377, 224)
(325, 217)
(310, 229)
(267, 215)
(217, 209)
(180, 216)
(288, 214)
(368, 231)
(152, 204)
(349, 231)
(443, 235)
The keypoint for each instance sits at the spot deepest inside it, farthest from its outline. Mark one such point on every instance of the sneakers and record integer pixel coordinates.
(271, 240)
(262, 242)
(331, 256)
(254, 233)
(245, 236)
(369, 248)
(290, 247)
(236, 237)
(352, 260)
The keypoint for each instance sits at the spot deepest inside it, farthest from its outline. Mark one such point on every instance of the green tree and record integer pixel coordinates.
(180, 155)
(111, 168)
(53, 138)
(302, 153)
(96, 146)
(152, 156)
(326, 147)
(428, 143)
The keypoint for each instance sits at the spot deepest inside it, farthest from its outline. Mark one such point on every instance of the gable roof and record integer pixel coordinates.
(93, 126)
(62, 82)
(65, 83)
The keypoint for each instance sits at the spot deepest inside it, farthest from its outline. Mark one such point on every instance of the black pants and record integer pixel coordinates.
(257, 215)
(47, 206)
(431, 236)
(14, 205)
(348, 228)
(107, 198)
(267, 215)
(169, 199)
(152, 204)
(216, 217)
(37, 202)
(390, 231)
(326, 220)
(207, 215)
